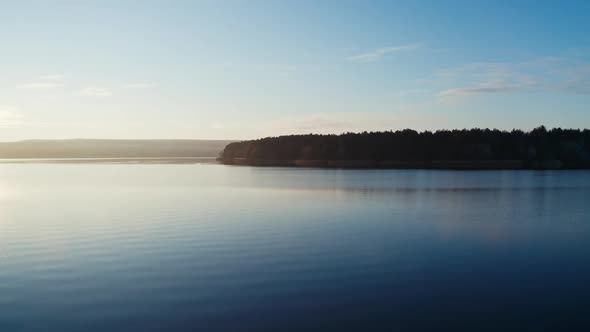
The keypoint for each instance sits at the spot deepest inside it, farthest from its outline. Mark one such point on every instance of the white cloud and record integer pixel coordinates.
(139, 85)
(44, 83)
(279, 70)
(510, 85)
(95, 91)
(53, 77)
(10, 117)
(7, 111)
(40, 85)
(379, 53)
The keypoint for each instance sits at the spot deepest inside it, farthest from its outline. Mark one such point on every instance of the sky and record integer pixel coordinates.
(249, 69)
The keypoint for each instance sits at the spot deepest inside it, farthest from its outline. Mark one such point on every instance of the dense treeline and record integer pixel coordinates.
(539, 148)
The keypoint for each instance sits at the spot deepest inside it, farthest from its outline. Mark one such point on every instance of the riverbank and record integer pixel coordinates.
(373, 164)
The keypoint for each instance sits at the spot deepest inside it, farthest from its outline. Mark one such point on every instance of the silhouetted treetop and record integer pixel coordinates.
(539, 148)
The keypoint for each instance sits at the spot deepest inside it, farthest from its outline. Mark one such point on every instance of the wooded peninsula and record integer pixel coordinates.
(444, 149)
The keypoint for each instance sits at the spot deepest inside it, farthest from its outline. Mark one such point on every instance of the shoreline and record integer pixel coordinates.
(115, 160)
(373, 164)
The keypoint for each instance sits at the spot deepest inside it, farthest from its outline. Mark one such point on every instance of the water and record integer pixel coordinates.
(221, 248)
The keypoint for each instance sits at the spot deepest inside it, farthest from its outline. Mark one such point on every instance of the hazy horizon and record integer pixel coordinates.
(242, 70)
(254, 138)
(98, 148)
(112, 139)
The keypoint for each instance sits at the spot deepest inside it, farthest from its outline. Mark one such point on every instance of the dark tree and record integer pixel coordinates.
(539, 148)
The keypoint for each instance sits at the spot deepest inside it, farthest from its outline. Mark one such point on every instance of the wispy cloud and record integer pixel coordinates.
(140, 85)
(95, 91)
(10, 117)
(472, 91)
(53, 77)
(40, 85)
(379, 53)
(508, 83)
(578, 80)
(44, 83)
(547, 74)
(278, 70)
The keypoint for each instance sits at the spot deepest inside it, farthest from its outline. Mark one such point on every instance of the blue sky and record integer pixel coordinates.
(245, 69)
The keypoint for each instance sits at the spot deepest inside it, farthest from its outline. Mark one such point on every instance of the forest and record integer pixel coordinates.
(539, 148)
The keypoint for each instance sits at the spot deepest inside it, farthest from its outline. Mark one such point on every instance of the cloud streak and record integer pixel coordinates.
(96, 92)
(44, 83)
(545, 74)
(511, 84)
(139, 85)
(10, 118)
(53, 77)
(40, 85)
(379, 53)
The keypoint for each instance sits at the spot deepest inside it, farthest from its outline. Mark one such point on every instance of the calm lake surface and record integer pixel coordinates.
(218, 248)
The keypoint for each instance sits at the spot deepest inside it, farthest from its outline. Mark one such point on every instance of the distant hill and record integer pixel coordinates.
(98, 148)
(444, 149)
